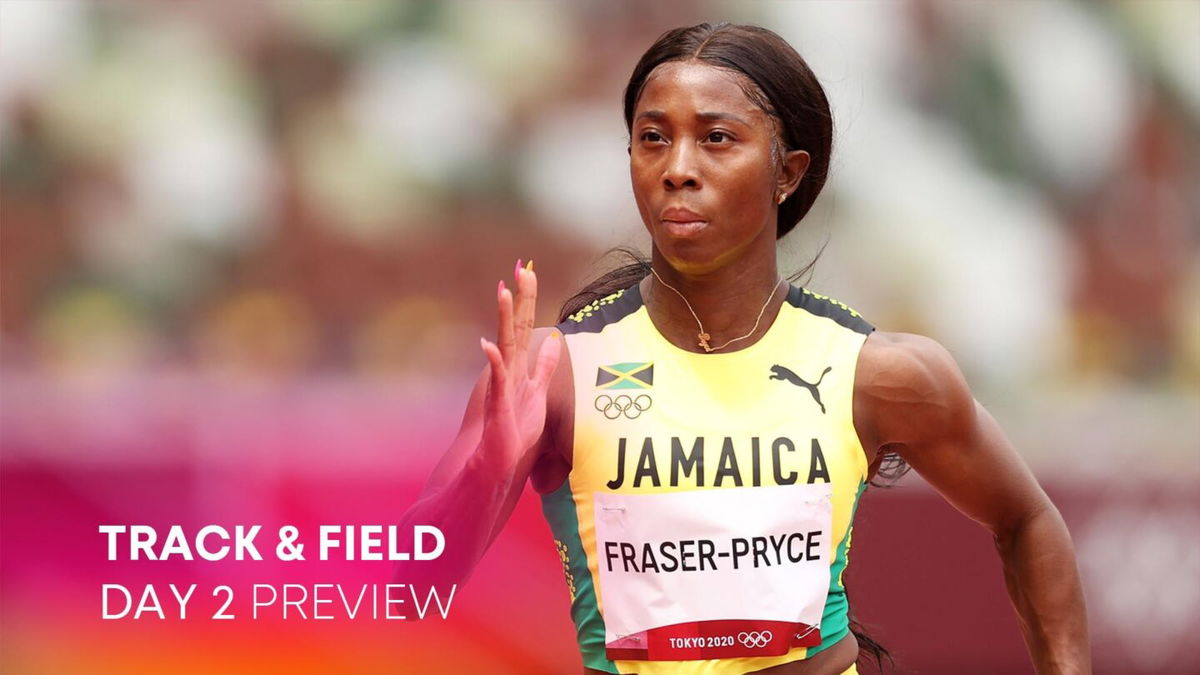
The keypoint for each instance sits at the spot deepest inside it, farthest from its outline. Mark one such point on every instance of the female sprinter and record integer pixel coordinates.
(700, 430)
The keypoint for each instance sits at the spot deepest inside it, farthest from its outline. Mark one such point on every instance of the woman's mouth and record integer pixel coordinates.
(689, 228)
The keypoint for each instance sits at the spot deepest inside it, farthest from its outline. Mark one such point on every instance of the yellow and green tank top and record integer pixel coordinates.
(711, 496)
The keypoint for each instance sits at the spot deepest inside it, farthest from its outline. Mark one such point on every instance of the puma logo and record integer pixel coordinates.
(781, 373)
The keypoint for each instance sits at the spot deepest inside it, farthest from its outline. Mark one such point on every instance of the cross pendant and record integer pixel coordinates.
(704, 341)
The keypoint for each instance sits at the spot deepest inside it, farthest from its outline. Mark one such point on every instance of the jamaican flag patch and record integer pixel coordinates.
(625, 376)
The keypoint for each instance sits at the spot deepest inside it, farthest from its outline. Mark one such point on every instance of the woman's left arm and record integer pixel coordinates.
(914, 400)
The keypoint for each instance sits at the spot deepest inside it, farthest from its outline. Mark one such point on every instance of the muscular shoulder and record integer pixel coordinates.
(909, 392)
(560, 381)
(554, 446)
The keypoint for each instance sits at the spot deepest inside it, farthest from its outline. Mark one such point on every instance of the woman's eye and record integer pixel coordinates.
(718, 136)
(651, 136)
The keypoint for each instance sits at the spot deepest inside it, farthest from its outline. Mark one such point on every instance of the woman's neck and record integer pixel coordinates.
(727, 302)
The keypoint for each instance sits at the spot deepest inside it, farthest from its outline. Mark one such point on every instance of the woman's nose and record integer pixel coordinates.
(681, 170)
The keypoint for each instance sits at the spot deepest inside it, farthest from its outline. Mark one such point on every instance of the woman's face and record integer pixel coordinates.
(699, 145)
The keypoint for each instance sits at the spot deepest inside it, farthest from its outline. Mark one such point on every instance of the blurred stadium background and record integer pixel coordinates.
(248, 250)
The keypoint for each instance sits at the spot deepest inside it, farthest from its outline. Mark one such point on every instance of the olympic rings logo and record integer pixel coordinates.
(755, 639)
(623, 404)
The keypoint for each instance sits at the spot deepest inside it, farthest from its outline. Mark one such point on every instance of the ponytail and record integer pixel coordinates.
(869, 649)
(636, 268)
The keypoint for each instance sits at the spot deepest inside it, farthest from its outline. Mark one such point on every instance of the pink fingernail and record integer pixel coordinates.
(517, 270)
(500, 286)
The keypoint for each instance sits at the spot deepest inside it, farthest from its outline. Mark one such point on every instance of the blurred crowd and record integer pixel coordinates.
(281, 190)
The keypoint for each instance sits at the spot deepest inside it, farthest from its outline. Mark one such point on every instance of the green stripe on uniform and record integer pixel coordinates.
(835, 622)
(559, 508)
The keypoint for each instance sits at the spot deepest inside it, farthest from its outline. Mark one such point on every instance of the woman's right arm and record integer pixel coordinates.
(475, 486)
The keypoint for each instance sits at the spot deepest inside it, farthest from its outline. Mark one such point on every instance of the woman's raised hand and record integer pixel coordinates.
(515, 406)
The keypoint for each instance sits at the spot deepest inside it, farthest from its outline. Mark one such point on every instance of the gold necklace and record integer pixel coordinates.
(704, 336)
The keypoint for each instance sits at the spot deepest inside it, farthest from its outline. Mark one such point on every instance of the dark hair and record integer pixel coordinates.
(778, 80)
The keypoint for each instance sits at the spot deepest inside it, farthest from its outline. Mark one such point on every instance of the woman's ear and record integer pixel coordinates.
(795, 164)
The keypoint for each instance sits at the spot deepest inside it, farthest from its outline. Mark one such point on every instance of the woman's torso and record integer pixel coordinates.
(648, 427)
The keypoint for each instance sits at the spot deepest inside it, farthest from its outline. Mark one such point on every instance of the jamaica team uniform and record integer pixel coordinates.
(705, 523)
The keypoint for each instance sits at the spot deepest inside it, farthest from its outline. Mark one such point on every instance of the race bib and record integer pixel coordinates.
(707, 574)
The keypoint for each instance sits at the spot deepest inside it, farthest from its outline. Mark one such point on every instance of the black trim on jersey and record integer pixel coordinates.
(601, 315)
(630, 300)
(829, 308)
